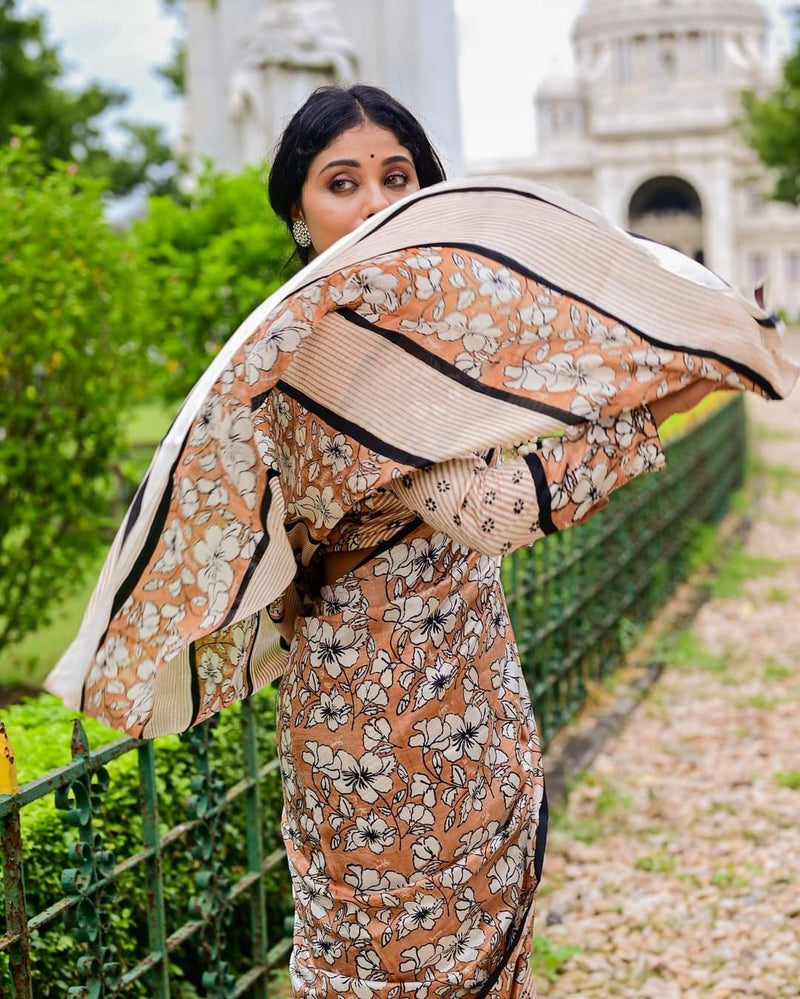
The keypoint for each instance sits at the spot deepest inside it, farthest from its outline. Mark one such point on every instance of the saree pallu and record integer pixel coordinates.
(471, 315)
(414, 815)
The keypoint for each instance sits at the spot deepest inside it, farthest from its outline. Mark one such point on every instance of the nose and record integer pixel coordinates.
(375, 200)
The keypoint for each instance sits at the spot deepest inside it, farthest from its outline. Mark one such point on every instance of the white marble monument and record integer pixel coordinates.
(644, 130)
(251, 63)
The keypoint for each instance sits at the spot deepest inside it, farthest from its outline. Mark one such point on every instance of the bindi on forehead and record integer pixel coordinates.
(372, 156)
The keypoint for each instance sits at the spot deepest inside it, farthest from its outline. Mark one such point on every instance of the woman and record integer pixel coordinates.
(334, 482)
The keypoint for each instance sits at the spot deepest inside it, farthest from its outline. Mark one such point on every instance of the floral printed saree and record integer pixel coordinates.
(365, 404)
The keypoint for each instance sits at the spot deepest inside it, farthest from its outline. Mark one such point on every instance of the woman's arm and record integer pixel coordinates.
(561, 481)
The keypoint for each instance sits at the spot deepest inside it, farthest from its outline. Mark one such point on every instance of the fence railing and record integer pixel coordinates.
(574, 599)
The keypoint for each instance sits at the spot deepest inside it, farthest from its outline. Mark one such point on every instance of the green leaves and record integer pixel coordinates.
(72, 305)
(771, 125)
(208, 264)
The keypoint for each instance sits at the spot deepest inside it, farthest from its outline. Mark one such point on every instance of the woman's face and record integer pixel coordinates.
(359, 173)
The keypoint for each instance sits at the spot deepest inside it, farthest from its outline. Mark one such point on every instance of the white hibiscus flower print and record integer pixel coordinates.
(188, 499)
(140, 695)
(214, 553)
(367, 776)
(500, 285)
(372, 833)
(477, 333)
(417, 958)
(372, 696)
(283, 334)
(591, 485)
(430, 734)
(437, 619)
(648, 458)
(587, 375)
(369, 966)
(506, 673)
(425, 852)
(469, 365)
(462, 947)
(336, 453)
(209, 670)
(468, 734)
(339, 600)
(406, 612)
(420, 913)
(650, 363)
(325, 946)
(377, 733)
(428, 284)
(331, 649)
(319, 507)
(235, 434)
(507, 871)
(438, 678)
(332, 710)
(373, 286)
(417, 816)
(601, 333)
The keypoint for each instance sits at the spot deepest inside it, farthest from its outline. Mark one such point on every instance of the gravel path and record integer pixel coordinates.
(675, 865)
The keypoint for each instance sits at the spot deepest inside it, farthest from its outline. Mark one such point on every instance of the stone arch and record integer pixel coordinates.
(669, 210)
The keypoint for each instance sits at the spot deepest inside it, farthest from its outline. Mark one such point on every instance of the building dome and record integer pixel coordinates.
(604, 17)
(559, 85)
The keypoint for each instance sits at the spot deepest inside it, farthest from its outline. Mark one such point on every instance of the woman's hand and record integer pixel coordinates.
(678, 402)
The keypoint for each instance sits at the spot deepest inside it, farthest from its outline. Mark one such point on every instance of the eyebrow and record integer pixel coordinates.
(354, 163)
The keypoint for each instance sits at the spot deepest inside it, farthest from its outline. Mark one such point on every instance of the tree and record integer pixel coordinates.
(771, 126)
(66, 123)
(71, 361)
(210, 262)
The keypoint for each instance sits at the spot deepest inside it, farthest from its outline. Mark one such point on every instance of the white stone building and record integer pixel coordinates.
(251, 63)
(644, 130)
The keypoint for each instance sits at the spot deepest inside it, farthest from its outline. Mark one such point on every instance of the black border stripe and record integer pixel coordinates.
(477, 189)
(248, 670)
(534, 463)
(149, 546)
(135, 508)
(450, 371)
(258, 554)
(258, 400)
(512, 264)
(353, 429)
(195, 684)
(390, 542)
(538, 860)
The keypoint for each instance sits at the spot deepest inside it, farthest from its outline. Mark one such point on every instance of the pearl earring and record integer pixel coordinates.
(301, 234)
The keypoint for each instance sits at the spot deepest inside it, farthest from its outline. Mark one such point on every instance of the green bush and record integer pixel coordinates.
(40, 733)
(209, 263)
(71, 359)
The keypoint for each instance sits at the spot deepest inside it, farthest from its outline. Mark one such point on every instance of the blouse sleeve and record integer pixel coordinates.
(560, 481)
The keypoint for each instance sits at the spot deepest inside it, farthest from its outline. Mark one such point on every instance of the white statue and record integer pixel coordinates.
(297, 45)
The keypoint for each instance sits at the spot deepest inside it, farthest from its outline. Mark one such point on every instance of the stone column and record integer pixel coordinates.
(718, 219)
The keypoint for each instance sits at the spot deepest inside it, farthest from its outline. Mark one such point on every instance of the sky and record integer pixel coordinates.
(506, 48)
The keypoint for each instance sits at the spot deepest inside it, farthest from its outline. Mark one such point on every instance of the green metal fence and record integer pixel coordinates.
(574, 599)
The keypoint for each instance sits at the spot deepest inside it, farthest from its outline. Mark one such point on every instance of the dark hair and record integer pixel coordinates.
(327, 113)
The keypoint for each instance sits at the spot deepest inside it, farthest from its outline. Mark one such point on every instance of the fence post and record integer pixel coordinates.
(13, 876)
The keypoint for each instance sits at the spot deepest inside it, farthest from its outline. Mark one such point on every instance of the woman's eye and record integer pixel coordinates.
(397, 179)
(340, 184)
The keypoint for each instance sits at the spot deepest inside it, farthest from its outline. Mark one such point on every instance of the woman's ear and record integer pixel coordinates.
(295, 212)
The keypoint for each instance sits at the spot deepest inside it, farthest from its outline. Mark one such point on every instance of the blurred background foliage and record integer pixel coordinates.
(103, 329)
